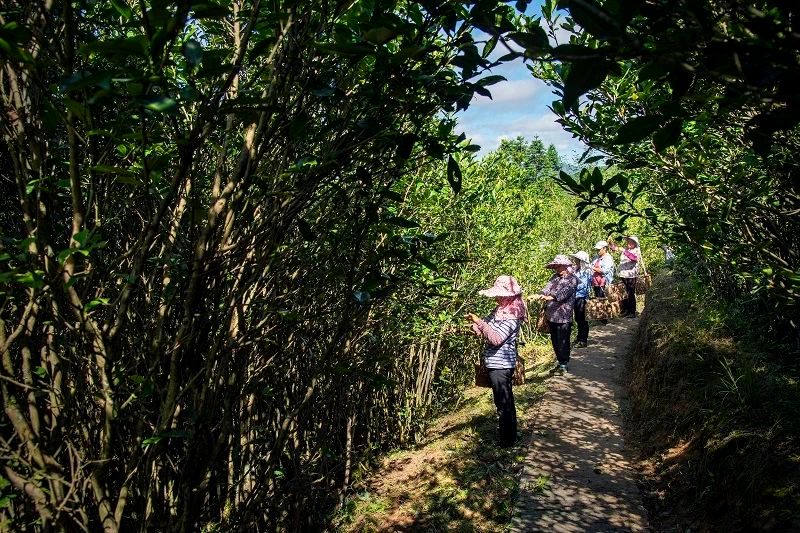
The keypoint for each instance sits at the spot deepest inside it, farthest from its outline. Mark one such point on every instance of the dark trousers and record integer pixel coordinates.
(504, 401)
(600, 292)
(580, 319)
(629, 303)
(559, 336)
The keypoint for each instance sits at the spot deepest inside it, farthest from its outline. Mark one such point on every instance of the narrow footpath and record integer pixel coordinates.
(577, 476)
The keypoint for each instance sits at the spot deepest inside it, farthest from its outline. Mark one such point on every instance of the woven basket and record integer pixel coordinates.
(643, 283)
(599, 309)
(482, 374)
(616, 292)
(542, 325)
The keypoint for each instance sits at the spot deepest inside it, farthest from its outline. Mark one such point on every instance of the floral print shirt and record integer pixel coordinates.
(584, 277)
(562, 289)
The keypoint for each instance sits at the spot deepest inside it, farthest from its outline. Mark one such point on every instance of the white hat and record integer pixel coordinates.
(600, 244)
(581, 256)
(633, 238)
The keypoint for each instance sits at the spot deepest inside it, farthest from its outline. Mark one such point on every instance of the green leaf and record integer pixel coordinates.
(209, 10)
(305, 230)
(171, 434)
(122, 8)
(669, 135)
(453, 174)
(193, 52)
(110, 169)
(653, 71)
(123, 46)
(344, 49)
(163, 104)
(567, 180)
(33, 279)
(593, 18)
(583, 76)
(637, 129)
(490, 45)
(490, 80)
(379, 35)
(534, 40)
(392, 195)
(402, 222)
(42, 373)
(94, 303)
(5, 501)
(427, 263)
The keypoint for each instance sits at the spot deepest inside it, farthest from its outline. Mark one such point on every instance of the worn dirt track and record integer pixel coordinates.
(577, 476)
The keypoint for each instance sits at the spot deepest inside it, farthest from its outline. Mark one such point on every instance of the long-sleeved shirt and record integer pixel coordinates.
(629, 262)
(562, 289)
(606, 264)
(501, 341)
(584, 277)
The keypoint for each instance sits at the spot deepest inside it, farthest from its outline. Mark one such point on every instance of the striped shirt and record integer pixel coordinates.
(501, 341)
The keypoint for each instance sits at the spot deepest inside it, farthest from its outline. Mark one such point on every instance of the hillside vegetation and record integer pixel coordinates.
(713, 412)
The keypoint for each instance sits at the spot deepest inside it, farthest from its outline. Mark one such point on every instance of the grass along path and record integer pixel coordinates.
(457, 479)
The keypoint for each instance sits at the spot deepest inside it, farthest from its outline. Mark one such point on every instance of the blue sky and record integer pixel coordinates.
(518, 107)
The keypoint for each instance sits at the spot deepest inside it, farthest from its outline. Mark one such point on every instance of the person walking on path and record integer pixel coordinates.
(602, 271)
(628, 272)
(500, 330)
(559, 297)
(583, 273)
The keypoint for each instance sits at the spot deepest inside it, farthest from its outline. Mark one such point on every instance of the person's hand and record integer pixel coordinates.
(472, 317)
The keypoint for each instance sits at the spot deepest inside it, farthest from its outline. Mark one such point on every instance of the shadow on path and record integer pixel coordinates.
(577, 477)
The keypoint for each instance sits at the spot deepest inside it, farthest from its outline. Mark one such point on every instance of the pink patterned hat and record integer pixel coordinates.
(559, 260)
(503, 286)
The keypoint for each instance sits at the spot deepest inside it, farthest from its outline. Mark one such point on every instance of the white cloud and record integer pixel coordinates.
(512, 92)
(488, 131)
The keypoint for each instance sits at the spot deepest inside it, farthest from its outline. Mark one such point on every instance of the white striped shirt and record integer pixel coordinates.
(501, 341)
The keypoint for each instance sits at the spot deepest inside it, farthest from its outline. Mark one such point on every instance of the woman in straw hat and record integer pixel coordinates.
(500, 330)
(559, 295)
(628, 272)
(583, 273)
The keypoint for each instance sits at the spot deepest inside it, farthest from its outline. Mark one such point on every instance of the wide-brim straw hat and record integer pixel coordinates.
(581, 256)
(559, 260)
(633, 238)
(503, 286)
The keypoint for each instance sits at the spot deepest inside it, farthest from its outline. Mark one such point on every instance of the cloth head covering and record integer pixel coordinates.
(633, 238)
(503, 286)
(559, 260)
(600, 244)
(510, 304)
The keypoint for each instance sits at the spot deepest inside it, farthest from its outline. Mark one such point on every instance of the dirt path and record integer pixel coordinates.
(577, 477)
